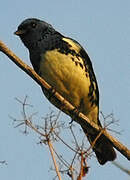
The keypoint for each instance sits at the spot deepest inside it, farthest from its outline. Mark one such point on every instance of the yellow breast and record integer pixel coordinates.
(66, 73)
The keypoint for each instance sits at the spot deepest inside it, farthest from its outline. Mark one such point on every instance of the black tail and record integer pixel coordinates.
(103, 149)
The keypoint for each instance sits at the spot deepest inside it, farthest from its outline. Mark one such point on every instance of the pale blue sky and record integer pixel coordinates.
(103, 29)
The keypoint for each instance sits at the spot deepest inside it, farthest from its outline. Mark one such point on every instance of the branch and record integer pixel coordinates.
(54, 160)
(127, 171)
(81, 168)
(61, 103)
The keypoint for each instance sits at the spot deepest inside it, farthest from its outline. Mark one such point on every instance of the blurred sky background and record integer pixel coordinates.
(103, 29)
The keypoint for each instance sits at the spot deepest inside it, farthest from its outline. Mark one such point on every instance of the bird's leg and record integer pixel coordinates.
(75, 113)
(51, 93)
(71, 121)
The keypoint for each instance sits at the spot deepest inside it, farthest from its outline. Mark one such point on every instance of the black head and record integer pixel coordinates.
(32, 30)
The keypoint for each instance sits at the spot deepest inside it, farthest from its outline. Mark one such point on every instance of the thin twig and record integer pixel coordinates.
(97, 137)
(29, 124)
(121, 168)
(74, 137)
(64, 162)
(54, 160)
(72, 172)
(66, 144)
(81, 168)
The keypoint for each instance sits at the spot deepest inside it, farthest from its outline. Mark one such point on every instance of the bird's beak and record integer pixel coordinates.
(19, 32)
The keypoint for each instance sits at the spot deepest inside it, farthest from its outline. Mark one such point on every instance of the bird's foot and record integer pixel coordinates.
(71, 121)
(51, 93)
(75, 112)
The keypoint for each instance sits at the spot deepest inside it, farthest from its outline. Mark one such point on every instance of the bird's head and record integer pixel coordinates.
(32, 30)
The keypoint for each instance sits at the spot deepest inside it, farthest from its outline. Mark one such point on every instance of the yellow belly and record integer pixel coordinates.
(67, 77)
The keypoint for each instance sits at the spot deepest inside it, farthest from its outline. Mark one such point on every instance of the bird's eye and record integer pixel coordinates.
(33, 25)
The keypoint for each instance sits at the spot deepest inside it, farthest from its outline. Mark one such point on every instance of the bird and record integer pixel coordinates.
(65, 65)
